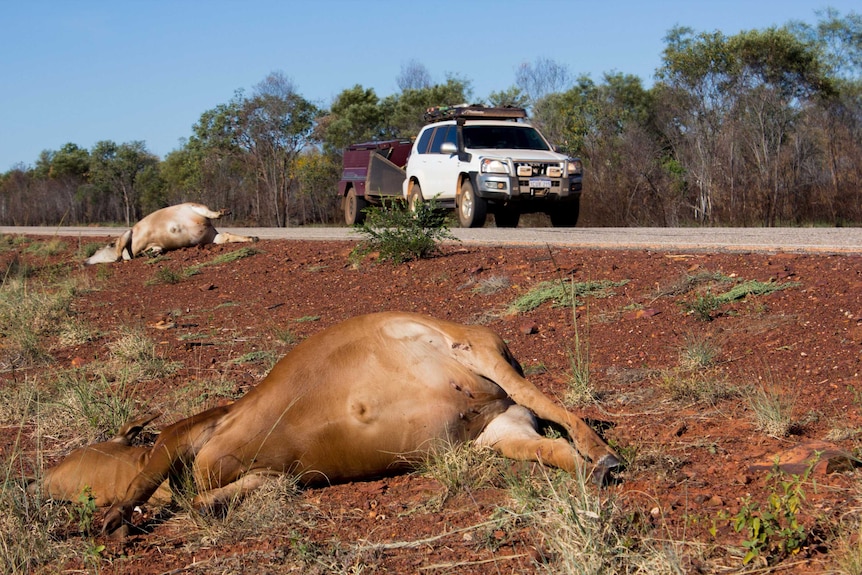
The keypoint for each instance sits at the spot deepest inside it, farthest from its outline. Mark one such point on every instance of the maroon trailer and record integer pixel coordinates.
(372, 172)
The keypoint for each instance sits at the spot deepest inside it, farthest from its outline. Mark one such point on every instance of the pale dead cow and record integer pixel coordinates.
(171, 228)
(105, 469)
(367, 397)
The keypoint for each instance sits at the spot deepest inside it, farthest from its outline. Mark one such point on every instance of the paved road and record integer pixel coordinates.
(813, 240)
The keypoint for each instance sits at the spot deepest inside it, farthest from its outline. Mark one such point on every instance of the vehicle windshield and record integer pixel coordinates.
(512, 137)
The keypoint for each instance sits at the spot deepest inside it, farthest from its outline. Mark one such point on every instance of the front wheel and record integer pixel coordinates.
(414, 198)
(566, 215)
(472, 210)
(353, 206)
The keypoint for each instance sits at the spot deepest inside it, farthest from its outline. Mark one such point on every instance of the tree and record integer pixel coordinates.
(317, 174)
(414, 76)
(62, 173)
(541, 78)
(212, 167)
(126, 170)
(404, 113)
(355, 116)
(274, 126)
(512, 96)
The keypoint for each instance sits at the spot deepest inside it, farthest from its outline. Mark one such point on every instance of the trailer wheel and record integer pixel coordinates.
(353, 206)
(472, 210)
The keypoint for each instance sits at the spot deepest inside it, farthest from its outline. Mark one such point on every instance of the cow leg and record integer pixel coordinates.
(204, 211)
(513, 434)
(489, 357)
(221, 496)
(171, 456)
(229, 238)
(124, 246)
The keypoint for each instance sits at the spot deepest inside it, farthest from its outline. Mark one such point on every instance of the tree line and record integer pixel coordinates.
(760, 128)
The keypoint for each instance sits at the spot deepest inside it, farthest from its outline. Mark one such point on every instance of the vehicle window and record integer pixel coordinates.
(422, 144)
(504, 137)
(442, 134)
(452, 135)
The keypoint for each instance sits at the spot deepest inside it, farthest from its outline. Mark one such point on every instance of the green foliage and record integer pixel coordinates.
(703, 306)
(563, 293)
(706, 304)
(85, 510)
(169, 276)
(512, 96)
(102, 404)
(399, 235)
(404, 112)
(166, 276)
(355, 116)
(125, 170)
(773, 530)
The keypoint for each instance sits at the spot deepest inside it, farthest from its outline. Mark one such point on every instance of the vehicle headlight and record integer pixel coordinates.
(574, 167)
(492, 166)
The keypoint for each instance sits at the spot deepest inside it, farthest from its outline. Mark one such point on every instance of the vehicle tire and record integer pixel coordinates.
(507, 217)
(353, 206)
(566, 215)
(414, 198)
(472, 210)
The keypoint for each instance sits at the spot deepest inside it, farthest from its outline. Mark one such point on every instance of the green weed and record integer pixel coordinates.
(563, 293)
(706, 304)
(773, 530)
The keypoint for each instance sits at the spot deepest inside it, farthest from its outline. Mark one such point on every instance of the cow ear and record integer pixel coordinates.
(130, 430)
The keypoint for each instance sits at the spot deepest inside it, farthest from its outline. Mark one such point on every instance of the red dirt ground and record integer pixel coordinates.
(692, 461)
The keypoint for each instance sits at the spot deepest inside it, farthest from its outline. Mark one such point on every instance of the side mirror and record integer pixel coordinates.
(448, 148)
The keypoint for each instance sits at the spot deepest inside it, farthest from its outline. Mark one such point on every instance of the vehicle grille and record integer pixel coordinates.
(539, 168)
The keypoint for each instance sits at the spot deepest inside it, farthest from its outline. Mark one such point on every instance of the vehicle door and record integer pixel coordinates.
(443, 169)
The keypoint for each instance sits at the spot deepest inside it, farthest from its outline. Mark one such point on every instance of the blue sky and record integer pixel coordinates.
(85, 70)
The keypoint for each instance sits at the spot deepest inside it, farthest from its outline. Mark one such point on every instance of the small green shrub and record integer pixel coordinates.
(773, 531)
(399, 235)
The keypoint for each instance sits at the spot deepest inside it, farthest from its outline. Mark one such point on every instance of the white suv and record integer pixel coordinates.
(479, 159)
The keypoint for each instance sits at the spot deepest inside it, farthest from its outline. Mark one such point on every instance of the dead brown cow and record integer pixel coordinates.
(364, 398)
(171, 228)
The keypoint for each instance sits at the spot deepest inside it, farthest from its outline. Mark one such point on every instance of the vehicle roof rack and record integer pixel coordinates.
(475, 112)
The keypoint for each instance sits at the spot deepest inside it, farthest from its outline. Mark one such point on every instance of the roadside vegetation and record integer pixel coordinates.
(397, 235)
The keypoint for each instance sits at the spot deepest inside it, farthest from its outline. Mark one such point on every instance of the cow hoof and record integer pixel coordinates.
(116, 525)
(603, 468)
(121, 533)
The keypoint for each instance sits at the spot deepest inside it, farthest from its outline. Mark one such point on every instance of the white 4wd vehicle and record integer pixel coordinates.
(480, 160)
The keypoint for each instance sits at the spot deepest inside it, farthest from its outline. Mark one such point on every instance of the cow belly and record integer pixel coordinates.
(379, 433)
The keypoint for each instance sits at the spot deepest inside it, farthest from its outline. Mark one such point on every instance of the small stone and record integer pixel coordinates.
(529, 328)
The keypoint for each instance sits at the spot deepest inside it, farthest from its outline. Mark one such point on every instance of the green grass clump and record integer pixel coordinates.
(168, 276)
(704, 305)
(563, 293)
